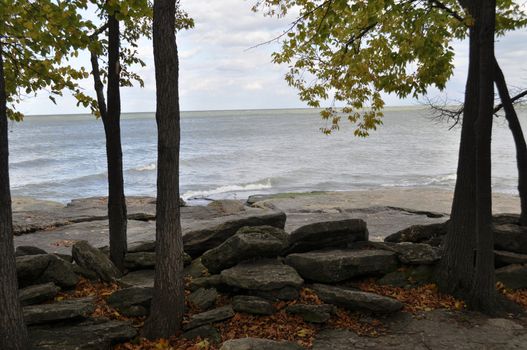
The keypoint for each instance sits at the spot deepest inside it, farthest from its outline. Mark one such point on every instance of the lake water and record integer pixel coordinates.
(233, 154)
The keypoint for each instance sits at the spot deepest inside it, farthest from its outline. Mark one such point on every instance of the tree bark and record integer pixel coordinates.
(13, 332)
(483, 294)
(457, 266)
(168, 300)
(111, 120)
(517, 134)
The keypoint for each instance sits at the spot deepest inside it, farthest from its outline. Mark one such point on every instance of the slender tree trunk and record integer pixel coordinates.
(457, 266)
(517, 134)
(13, 333)
(112, 129)
(168, 301)
(483, 295)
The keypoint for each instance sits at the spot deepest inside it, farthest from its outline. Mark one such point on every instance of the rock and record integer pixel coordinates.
(195, 269)
(227, 206)
(311, 313)
(140, 278)
(337, 339)
(252, 305)
(93, 259)
(213, 281)
(502, 219)
(285, 293)
(88, 274)
(503, 258)
(511, 238)
(329, 234)
(416, 253)
(258, 344)
(44, 268)
(261, 275)
(37, 294)
(65, 257)
(28, 250)
(356, 300)
(395, 279)
(140, 260)
(203, 332)
(247, 243)
(430, 234)
(132, 302)
(87, 335)
(208, 317)
(60, 311)
(142, 246)
(203, 299)
(331, 266)
(199, 241)
(513, 276)
(413, 275)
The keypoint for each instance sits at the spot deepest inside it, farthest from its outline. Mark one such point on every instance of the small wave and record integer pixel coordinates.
(148, 167)
(228, 188)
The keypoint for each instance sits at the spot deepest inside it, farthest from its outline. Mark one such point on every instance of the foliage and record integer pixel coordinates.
(37, 38)
(351, 52)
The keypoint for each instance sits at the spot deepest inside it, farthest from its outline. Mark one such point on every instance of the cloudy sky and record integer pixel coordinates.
(219, 70)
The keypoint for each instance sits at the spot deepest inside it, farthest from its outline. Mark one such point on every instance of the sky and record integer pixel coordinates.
(219, 69)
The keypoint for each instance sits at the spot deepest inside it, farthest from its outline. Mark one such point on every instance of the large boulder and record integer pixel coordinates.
(142, 246)
(261, 275)
(208, 317)
(503, 258)
(93, 259)
(203, 332)
(60, 311)
(198, 241)
(44, 268)
(430, 234)
(416, 253)
(203, 299)
(28, 250)
(258, 344)
(356, 300)
(511, 238)
(329, 234)
(87, 335)
(37, 294)
(513, 276)
(140, 278)
(132, 302)
(331, 266)
(140, 260)
(247, 243)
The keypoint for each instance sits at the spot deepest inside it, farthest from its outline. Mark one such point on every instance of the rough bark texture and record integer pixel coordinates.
(517, 134)
(112, 130)
(483, 294)
(13, 333)
(168, 301)
(457, 265)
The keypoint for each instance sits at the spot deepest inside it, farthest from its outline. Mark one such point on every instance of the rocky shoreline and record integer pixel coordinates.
(254, 259)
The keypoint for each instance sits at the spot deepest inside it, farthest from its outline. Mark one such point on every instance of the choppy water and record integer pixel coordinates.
(232, 154)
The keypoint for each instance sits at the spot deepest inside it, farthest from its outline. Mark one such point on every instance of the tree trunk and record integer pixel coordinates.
(168, 301)
(457, 266)
(483, 294)
(13, 333)
(517, 134)
(112, 130)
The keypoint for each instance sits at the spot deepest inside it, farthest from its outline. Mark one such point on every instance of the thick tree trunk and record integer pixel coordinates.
(13, 333)
(517, 134)
(457, 266)
(168, 301)
(483, 294)
(112, 129)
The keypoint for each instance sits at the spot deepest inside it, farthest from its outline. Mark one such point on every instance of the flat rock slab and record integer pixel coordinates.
(140, 278)
(59, 311)
(513, 276)
(88, 335)
(132, 302)
(208, 317)
(252, 305)
(331, 266)
(356, 300)
(437, 330)
(42, 215)
(503, 258)
(37, 294)
(312, 313)
(511, 238)
(259, 344)
(45, 268)
(261, 275)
